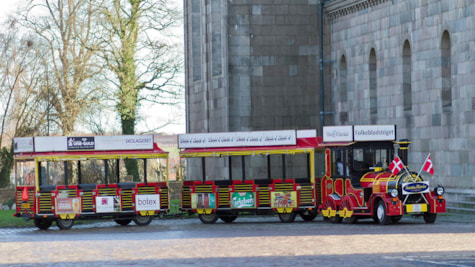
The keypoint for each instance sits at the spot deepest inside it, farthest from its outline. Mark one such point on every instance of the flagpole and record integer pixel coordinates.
(422, 167)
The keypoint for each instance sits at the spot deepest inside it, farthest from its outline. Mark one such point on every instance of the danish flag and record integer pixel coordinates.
(396, 166)
(428, 167)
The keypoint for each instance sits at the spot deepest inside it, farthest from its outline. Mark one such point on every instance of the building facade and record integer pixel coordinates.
(254, 65)
(251, 65)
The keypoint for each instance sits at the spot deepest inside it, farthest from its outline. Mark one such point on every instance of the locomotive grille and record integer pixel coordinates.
(306, 195)
(164, 198)
(45, 203)
(243, 188)
(264, 196)
(204, 189)
(107, 192)
(284, 187)
(87, 201)
(126, 199)
(186, 197)
(223, 197)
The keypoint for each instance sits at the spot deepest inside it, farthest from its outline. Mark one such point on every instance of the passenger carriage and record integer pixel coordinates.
(62, 179)
(258, 172)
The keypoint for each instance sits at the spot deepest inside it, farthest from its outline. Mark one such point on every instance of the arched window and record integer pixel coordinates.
(406, 76)
(343, 85)
(446, 71)
(373, 97)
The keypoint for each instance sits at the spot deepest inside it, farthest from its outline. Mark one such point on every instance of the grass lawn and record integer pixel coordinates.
(7, 220)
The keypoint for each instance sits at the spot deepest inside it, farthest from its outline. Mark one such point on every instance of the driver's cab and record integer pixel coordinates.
(354, 160)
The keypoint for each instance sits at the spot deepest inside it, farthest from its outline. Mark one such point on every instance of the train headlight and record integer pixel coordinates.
(394, 193)
(440, 190)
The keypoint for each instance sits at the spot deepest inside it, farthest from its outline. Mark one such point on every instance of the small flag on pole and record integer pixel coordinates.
(428, 167)
(396, 166)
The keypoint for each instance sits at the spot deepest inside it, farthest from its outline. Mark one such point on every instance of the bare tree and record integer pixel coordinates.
(65, 30)
(23, 105)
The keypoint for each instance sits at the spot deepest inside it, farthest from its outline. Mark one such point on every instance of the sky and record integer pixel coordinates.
(152, 115)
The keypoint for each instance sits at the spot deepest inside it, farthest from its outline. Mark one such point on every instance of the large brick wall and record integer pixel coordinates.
(448, 132)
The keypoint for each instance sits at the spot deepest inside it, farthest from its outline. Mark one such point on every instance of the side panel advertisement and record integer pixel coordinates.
(240, 200)
(203, 201)
(108, 204)
(147, 202)
(286, 199)
(68, 205)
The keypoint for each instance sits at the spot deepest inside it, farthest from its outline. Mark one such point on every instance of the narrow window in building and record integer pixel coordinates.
(406, 76)
(343, 86)
(216, 37)
(373, 97)
(196, 39)
(446, 72)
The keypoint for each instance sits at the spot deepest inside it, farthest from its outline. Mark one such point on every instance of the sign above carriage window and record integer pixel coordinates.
(375, 132)
(237, 139)
(80, 143)
(72, 143)
(23, 144)
(359, 133)
(337, 133)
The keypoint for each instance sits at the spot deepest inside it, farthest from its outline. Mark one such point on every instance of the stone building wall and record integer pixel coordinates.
(251, 65)
(409, 63)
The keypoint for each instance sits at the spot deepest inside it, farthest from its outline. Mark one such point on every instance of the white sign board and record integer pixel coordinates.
(72, 143)
(147, 202)
(338, 133)
(23, 144)
(375, 132)
(124, 142)
(108, 204)
(237, 139)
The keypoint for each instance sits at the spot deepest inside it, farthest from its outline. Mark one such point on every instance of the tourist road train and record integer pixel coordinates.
(348, 173)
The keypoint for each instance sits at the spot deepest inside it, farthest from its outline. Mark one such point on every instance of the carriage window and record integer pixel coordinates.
(381, 158)
(25, 173)
(339, 163)
(256, 167)
(319, 164)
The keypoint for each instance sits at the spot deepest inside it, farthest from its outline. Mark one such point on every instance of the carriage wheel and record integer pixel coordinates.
(64, 224)
(142, 220)
(345, 204)
(123, 222)
(42, 223)
(287, 217)
(430, 217)
(208, 218)
(228, 217)
(309, 215)
(381, 214)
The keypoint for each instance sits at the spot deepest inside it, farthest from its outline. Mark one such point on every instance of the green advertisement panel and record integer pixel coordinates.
(240, 200)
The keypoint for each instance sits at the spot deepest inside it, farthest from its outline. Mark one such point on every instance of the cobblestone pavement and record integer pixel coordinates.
(249, 241)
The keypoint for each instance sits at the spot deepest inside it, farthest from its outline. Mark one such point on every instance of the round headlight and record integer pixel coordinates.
(394, 193)
(440, 190)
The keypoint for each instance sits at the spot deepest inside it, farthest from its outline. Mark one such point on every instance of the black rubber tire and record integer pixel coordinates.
(351, 220)
(381, 214)
(396, 218)
(123, 222)
(64, 224)
(228, 218)
(430, 217)
(208, 218)
(42, 223)
(287, 217)
(142, 220)
(309, 216)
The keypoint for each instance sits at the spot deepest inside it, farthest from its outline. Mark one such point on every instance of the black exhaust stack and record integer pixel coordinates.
(403, 150)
